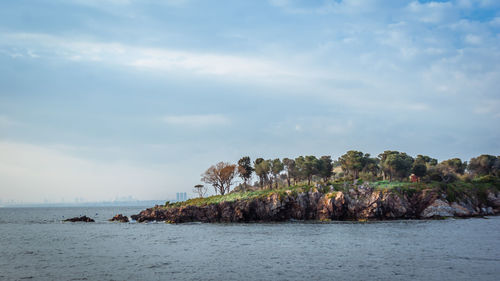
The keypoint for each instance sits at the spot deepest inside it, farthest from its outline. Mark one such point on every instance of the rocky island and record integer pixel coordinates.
(393, 185)
(334, 202)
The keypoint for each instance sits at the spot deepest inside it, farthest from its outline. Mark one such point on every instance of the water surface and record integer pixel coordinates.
(35, 244)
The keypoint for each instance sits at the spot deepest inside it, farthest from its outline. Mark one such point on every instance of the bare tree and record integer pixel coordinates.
(200, 189)
(220, 176)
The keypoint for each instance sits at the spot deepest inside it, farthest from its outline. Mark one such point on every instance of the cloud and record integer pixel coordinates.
(473, 39)
(155, 59)
(323, 75)
(201, 120)
(208, 64)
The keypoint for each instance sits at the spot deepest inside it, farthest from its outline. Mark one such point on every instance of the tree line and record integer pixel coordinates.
(389, 165)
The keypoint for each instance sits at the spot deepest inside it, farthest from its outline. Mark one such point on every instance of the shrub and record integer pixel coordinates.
(486, 179)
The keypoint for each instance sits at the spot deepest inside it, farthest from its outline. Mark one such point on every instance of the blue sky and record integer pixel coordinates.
(109, 98)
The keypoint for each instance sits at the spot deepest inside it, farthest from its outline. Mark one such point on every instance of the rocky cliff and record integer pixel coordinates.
(358, 203)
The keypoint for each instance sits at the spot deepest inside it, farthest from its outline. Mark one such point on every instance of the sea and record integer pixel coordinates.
(36, 245)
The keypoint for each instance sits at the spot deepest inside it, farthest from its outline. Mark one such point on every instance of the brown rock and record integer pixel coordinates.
(80, 219)
(460, 211)
(120, 218)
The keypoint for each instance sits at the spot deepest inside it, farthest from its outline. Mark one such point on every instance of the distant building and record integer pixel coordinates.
(181, 196)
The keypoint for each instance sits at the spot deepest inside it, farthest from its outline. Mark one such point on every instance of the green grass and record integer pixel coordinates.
(221, 198)
(399, 184)
(454, 191)
(460, 189)
(234, 196)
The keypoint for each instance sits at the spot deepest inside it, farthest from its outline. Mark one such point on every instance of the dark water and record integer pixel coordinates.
(36, 245)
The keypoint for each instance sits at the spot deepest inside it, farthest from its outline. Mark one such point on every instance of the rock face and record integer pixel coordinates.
(360, 203)
(493, 199)
(438, 208)
(82, 219)
(119, 218)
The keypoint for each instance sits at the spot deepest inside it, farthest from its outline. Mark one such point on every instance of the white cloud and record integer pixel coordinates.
(208, 64)
(156, 59)
(473, 39)
(201, 120)
(368, 68)
(388, 64)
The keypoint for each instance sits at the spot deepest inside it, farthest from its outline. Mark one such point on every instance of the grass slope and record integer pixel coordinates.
(453, 191)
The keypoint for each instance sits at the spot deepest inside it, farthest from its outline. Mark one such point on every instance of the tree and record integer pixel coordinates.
(262, 168)
(496, 167)
(371, 165)
(200, 189)
(299, 163)
(308, 167)
(269, 167)
(484, 165)
(245, 169)
(383, 165)
(454, 165)
(395, 164)
(426, 160)
(353, 162)
(419, 169)
(220, 177)
(325, 168)
(291, 169)
(276, 168)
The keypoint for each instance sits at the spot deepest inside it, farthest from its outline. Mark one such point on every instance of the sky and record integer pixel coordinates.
(101, 99)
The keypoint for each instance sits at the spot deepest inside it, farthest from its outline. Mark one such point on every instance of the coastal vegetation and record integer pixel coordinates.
(388, 169)
(453, 191)
(356, 186)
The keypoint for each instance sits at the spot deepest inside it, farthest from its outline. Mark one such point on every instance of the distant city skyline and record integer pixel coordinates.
(118, 98)
(82, 203)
